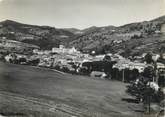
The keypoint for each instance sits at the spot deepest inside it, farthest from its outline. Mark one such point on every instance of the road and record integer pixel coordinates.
(41, 90)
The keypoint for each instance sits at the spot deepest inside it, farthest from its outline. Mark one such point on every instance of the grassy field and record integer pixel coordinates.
(29, 91)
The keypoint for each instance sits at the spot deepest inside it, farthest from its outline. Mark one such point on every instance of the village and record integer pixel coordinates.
(139, 71)
(72, 60)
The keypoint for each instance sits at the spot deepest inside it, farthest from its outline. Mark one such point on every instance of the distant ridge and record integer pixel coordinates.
(129, 39)
(45, 37)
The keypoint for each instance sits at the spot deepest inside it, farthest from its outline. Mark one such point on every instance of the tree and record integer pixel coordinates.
(148, 58)
(149, 73)
(107, 58)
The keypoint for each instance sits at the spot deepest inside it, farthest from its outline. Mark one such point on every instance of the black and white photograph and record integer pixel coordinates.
(82, 58)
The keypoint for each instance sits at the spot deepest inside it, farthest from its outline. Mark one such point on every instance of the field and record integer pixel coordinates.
(30, 91)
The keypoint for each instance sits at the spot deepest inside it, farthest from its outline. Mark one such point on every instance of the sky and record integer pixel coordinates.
(80, 13)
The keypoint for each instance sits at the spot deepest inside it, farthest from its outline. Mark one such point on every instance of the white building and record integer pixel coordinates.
(62, 49)
(41, 52)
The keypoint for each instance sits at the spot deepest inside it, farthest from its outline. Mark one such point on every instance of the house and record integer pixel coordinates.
(160, 66)
(139, 66)
(73, 50)
(163, 55)
(155, 57)
(99, 57)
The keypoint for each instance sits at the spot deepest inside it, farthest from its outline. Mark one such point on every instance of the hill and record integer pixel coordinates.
(37, 91)
(43, 36)
(129, 39)
(16, 46)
